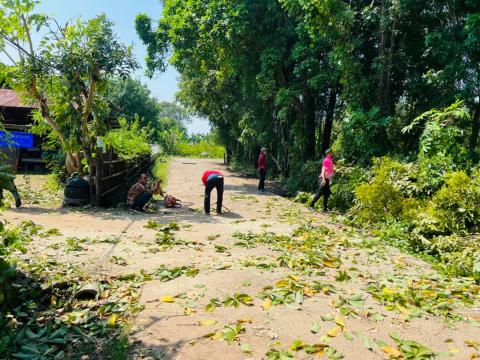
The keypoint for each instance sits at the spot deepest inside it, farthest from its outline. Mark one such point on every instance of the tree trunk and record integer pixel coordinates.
(475, 132)
(309, 116)
(87, 141)
(327, 129)
(387, 96)
(381, 55)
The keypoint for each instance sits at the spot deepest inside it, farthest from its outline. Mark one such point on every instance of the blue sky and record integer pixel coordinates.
(123, 12)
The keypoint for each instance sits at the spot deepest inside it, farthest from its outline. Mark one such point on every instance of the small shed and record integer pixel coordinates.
(23, 149)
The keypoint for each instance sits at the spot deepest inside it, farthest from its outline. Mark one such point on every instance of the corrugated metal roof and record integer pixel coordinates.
(9, 98)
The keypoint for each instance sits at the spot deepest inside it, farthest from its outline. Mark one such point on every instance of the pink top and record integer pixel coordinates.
(327, 167)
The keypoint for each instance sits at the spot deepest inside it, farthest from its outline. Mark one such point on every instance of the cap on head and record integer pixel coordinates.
(328, 151)
(263, 149)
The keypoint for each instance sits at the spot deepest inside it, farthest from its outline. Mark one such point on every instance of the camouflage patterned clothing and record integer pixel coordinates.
(136, 190)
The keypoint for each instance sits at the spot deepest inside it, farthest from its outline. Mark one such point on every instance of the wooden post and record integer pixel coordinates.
(98, 176)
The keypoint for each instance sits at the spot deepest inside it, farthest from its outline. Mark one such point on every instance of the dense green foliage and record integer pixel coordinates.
(297, 76)
(300, 76)
(66, 73)
(130, 141)
(131, 99)
(165, 121)
(41, 316)
(432, 205)
(176, 142)
(202, 149)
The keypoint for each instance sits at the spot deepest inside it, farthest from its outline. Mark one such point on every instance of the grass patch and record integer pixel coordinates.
(160, 169)
(202, 149)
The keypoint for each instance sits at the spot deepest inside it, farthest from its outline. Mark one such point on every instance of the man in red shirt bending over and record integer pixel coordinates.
(213, 179)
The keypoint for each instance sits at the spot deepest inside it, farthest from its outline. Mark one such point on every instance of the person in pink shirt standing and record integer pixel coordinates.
(324, 181)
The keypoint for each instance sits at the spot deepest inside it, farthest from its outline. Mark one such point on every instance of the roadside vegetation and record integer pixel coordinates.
(49, 309)
(391, 87)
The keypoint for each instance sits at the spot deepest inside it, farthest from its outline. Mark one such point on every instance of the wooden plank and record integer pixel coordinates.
(112, 189)
(98, 176)
(111, 162)
(114, 175)
(17, 127)
(32, 160)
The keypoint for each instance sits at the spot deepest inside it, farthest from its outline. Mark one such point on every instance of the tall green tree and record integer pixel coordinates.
(253, 71)
(66, 74)
(283, 73)
(130, 98)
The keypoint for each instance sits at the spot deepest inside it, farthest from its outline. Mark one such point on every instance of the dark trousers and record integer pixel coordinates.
(211, 184)
(263, 174)
(325, 191)
(141, 201)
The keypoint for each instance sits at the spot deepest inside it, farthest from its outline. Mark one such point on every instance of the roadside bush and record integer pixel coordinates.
(12, 239)
(431, 175)
(430, 206)
(454, 209)
(129, 141)
(304, 177)
(386, 197)
(443, 145)
(459, 254)
(303, 197)
(345, 181)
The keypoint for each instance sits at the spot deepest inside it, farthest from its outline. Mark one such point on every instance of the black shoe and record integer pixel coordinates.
(18, 202)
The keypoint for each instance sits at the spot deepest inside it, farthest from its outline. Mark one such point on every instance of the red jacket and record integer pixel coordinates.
(262, 162)
(207, 173)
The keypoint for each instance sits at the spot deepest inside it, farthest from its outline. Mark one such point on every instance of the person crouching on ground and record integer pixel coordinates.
(141, 193)
(213, 179)
(324, 181)
(262, 169)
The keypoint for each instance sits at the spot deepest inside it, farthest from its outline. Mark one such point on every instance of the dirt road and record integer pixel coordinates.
(284, 278)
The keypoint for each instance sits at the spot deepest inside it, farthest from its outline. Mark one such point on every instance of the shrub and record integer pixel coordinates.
(129, 141)
(302, 197)
(386, 197)
(443, 145)
(459, 254)
(344, 183)
(453, 209)
(304, 177)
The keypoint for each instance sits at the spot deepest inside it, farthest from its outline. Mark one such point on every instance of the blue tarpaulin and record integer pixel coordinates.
(18, 140)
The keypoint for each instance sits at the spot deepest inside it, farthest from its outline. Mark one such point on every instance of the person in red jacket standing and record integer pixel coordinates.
(213, 179)
(262, 169)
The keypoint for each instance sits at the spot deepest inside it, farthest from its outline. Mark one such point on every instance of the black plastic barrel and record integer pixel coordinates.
(77, 191)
